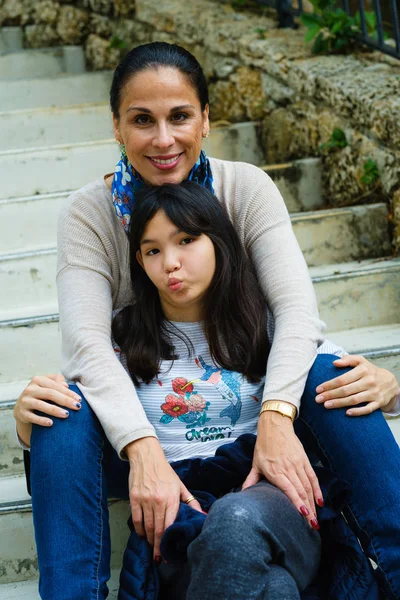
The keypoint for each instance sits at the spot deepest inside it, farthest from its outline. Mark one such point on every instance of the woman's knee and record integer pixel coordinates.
(67, 437)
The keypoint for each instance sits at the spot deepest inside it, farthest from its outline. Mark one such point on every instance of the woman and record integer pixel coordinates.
(159, 103)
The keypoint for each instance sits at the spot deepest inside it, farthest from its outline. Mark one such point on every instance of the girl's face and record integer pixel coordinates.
(161, 125)
(180, 266)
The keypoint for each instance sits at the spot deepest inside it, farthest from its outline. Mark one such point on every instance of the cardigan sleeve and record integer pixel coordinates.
(86, 280)
(283, 275)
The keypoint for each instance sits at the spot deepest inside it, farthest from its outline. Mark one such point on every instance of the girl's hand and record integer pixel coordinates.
(155, 491)
(37, 397)
(280, 457)
(364, 383)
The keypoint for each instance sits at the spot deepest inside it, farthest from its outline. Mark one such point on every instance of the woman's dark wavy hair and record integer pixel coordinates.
(234, 308)
(153, 56)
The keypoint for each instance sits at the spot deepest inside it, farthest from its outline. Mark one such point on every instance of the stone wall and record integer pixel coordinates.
(92, 23)
(256, 72)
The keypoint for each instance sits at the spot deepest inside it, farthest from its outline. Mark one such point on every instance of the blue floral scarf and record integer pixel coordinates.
(127, 182)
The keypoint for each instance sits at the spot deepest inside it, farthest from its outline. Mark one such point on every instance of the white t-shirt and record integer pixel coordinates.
(196, 406)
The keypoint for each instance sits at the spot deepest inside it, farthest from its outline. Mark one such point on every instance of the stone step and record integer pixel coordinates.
(63, 90)
(40, 127)
(29, 223)
(299, 182)
(28, 283)
(65, 167)
(350, 296)
(27, 590)
(18, 559)
(358, 294)
(46, 62)
(11, 39)
(380, 344)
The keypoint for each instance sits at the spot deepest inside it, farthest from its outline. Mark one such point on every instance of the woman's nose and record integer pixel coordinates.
(163, 138)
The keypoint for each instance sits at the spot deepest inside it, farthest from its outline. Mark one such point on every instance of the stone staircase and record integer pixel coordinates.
(57, 136)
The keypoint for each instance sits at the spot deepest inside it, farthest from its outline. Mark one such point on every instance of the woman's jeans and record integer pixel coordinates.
(74, 470)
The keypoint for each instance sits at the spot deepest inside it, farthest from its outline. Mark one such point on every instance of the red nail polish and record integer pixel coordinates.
(158, 559)
(304, 511)
(314, 524)
(320, 502)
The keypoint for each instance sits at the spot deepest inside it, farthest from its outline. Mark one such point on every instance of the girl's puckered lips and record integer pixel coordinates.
(174, 284)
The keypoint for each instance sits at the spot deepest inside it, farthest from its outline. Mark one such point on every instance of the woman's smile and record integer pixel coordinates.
(165, 163)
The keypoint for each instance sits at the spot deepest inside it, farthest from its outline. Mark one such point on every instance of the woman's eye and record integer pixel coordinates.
(152, 252)
(179, 117)
(142, 120)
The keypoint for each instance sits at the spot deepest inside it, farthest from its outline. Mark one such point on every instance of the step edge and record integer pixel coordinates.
(27, 254)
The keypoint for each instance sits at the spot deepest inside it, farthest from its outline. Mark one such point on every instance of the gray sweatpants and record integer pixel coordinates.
(254, 545)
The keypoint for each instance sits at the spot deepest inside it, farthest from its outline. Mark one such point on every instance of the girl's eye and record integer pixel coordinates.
(187, 240)
(179, 117)
(152, 252)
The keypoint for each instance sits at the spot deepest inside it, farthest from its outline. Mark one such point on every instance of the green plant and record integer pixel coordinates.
(332, 29)
(261, 32)
(117, 42)
(337, 140)
(370, 173)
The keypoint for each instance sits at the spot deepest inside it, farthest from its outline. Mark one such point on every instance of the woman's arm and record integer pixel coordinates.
(91, 247)
(284, 279)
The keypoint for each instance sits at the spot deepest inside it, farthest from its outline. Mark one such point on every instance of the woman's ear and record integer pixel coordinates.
(139, 258)
(206, 121)
(117, 133)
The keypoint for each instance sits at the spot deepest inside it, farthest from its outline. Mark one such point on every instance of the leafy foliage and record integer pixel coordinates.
(117, 42)
(337, 140)
(332, 29)
(370, 172)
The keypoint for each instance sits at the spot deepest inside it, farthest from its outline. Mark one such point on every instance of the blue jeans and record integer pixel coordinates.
(74, 470)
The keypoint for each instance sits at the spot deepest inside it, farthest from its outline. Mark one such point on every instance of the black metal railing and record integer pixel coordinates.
(386, 36)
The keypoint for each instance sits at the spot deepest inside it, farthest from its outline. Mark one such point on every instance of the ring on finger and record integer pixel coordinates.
(190, 499)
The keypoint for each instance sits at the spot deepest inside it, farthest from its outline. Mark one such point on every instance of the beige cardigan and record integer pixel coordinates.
(93, 280)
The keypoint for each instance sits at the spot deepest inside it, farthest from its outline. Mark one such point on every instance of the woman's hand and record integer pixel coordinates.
(280, 457)
(364, 383)
(37, 397)
(155, 491)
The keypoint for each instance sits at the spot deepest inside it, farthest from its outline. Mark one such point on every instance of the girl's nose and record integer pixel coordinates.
(172, 263)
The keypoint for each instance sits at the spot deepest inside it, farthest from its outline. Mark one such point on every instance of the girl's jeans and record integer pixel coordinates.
(74, 470)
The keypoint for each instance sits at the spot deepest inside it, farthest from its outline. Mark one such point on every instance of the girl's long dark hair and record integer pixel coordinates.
(234, 310)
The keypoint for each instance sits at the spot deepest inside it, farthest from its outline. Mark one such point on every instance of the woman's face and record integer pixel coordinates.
(161, 125)
(180, 266)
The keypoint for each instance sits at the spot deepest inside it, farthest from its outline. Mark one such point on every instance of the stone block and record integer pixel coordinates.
(104, 7)
(396, 220)
(132, 32)
(46, 11)
(72, 24)
(124, 8)
(100, 25)
(250, 91)
(225, 102)
(41, 35)
(276, 91)
(99, 55)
